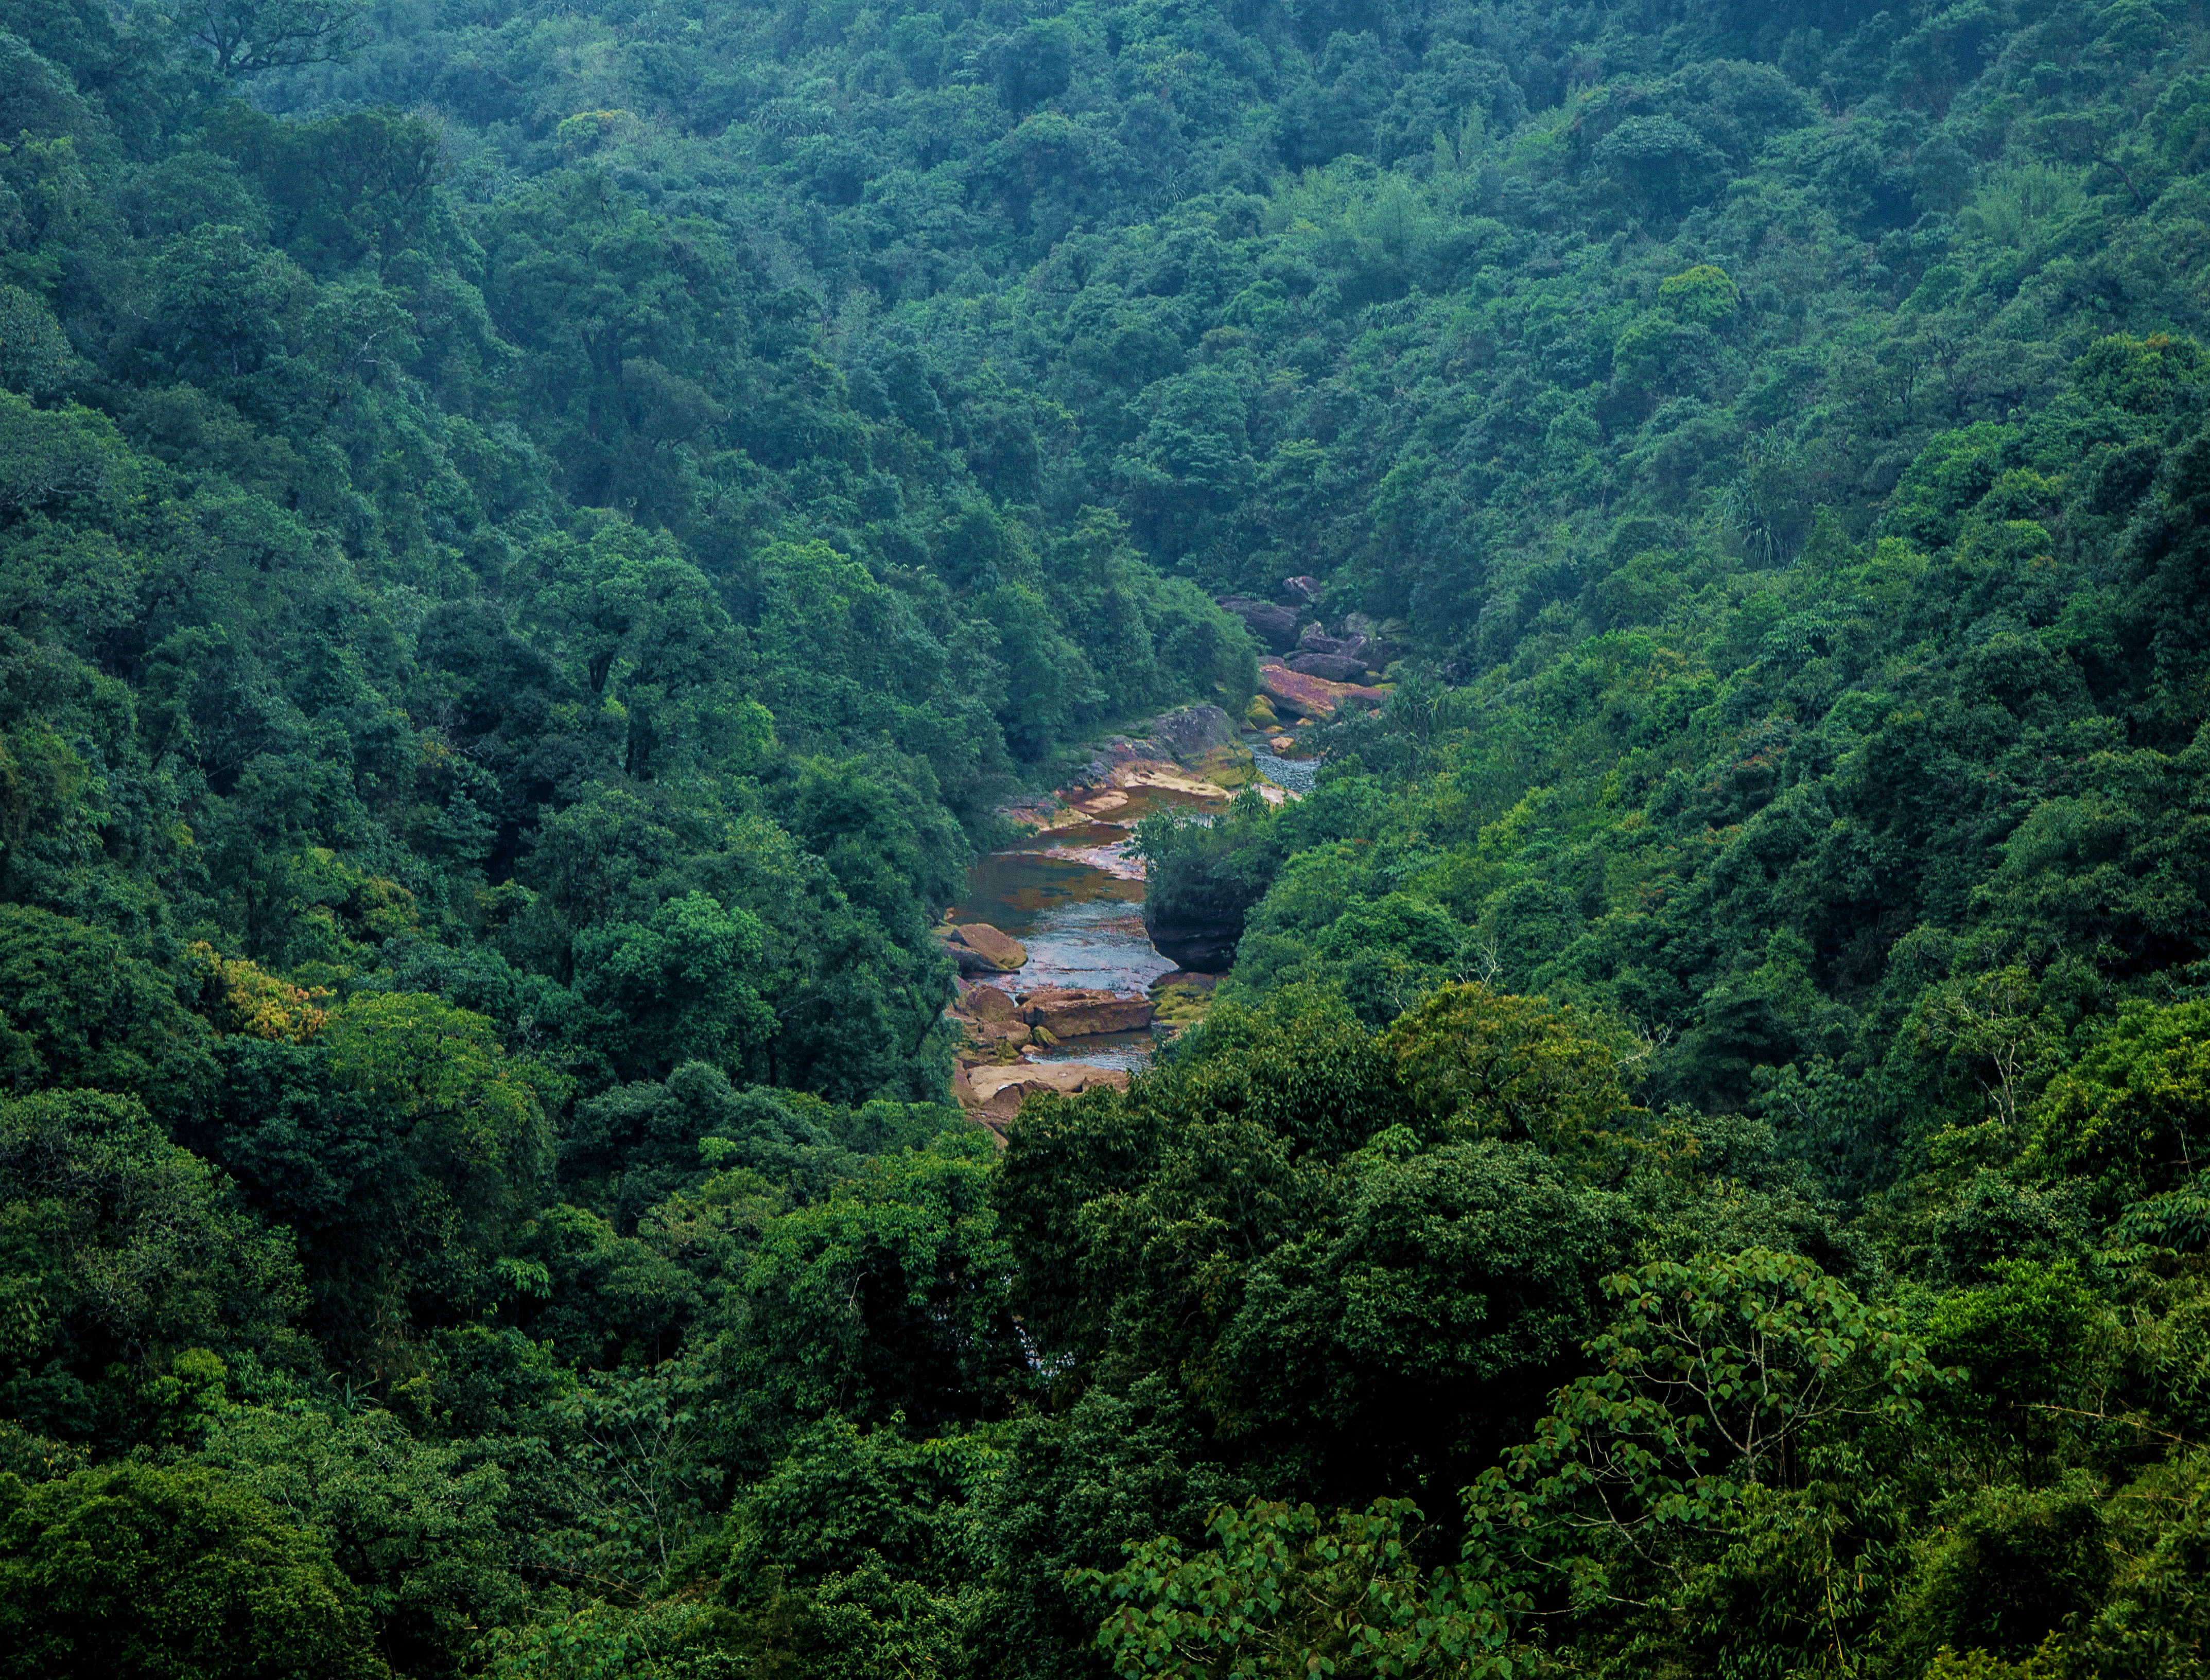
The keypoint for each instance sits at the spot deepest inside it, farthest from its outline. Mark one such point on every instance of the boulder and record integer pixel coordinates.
(1312, 641)
(1308, 696)
(995, 1038)
(1071, 1012)
(1385, 642)
(1183, 998)
(996, 1094)
(1275, 626)
(1000, 952)
(1334, 667)
(971, 965)
(1194, 731)
(1300, 590)
(988, 1003)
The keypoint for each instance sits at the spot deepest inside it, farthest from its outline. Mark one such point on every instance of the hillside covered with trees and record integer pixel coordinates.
(535, 541)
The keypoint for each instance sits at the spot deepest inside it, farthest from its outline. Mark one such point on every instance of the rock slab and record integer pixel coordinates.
(980, 948)
(1195, 732)
(1310, 697)
(1073, 1012)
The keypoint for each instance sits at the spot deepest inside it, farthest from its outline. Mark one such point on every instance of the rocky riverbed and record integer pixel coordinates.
(1062, 988)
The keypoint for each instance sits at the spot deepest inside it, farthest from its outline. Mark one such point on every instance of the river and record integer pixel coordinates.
(1075, 898)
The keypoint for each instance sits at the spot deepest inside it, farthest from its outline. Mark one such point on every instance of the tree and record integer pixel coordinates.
(1480, 1063)
(147, 1573)
(78, 1009)
(247, 37)
(889, 1298)
(441, 1145)
(1285, 1592)
(423, 1533)
(2132, 1116)
(118, 1249)
(1717, 1376)
(679, 988)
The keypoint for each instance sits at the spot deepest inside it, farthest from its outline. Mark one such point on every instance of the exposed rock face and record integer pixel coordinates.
(1334, 667)
(993, 1096)
(1307, 696)
(980, 948)
(1276, 626)
(1183, 998)
(1069, 1012)
(1193, 732)
(1300, 589)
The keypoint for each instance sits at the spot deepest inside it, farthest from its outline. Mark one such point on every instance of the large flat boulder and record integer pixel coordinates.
(1164, 774)
(980, 948)
(1291, 691)
(1067, 1078)
(993, 1096)
(1069, 1012)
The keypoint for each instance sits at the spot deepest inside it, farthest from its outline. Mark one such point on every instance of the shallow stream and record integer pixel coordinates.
(1075, 898)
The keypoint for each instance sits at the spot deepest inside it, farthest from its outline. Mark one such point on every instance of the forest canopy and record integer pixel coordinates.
(537, 542)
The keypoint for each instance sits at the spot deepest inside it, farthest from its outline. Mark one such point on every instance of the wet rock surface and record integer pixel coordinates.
(1067, 1012)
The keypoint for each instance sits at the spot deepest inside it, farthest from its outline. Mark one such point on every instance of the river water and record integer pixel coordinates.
(1075, 898)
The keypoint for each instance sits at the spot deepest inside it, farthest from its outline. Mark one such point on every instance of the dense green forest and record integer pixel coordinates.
(535, 540)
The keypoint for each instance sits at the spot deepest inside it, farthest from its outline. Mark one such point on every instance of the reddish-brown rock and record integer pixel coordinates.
(1310, 697)
(1067, 1012)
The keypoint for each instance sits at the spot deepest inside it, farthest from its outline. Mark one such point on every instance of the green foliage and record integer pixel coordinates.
(2130, 1113)
(1483, 1065)
(536, 541)
(133, 1570)
(121, 1252)
(677, 985)
(1283, 1592)
(1715, 1379)
(419, 1530)
(890, 1297)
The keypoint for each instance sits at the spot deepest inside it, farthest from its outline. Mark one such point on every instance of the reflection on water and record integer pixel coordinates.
(1075, 899)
